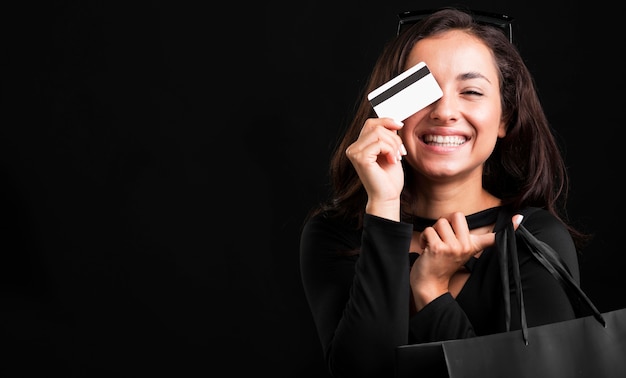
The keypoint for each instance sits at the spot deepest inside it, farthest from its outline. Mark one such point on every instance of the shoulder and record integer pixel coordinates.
(543, 224)
(329, 232)
(549, 229)
(325, 222)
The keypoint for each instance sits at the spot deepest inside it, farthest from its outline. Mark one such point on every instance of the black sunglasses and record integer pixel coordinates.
(501, 21)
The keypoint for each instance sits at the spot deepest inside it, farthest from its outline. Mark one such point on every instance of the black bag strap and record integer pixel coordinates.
(547, 256)
(507, 248)
(554, 263)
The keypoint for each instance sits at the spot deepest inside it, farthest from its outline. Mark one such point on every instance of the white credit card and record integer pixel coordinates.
(406, 94)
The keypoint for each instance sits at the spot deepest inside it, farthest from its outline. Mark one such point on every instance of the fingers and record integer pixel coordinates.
(378, 139)
(454, 234)
(388, 123)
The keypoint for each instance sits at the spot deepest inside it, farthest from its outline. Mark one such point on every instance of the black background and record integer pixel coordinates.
(158, 160)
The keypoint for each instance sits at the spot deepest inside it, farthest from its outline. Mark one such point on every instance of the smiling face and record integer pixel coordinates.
(456, 134)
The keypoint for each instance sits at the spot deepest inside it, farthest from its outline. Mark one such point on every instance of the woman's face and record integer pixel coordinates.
(454, 136)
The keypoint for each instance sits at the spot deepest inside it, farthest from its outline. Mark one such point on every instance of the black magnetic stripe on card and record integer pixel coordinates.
(411, 79)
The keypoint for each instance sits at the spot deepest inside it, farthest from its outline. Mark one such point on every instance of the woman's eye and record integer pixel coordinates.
(471, 92)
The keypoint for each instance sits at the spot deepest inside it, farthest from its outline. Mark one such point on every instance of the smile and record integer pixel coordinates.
(444, 141)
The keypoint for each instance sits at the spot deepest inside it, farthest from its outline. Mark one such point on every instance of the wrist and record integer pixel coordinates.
(384, 209)
(424, 296)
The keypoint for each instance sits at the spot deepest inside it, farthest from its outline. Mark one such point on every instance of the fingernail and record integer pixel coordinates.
(399, 123)
(519, 218)
(403, 150)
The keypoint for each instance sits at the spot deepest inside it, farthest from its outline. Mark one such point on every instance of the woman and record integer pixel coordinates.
(403, 251)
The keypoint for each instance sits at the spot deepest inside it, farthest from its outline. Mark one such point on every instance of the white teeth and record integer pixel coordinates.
(446, 141)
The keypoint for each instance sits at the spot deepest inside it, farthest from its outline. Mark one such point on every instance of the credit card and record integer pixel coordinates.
(406, 94)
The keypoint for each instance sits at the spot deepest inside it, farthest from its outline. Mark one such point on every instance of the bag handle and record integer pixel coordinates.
(552, 261)
(549, 258)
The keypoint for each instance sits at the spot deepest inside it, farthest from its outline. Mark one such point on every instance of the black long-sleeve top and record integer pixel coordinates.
(357, 285)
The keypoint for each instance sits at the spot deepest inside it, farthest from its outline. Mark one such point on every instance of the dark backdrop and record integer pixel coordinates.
(158, 160)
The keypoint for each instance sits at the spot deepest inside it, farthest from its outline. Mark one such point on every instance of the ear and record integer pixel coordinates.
(502, 129)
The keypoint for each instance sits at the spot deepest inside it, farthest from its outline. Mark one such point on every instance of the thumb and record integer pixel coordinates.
(486, 240)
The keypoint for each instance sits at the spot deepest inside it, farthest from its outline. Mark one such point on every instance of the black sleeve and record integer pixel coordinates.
(441, 319)
(360, 305)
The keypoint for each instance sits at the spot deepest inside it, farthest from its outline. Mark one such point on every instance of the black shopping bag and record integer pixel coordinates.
(579, 348)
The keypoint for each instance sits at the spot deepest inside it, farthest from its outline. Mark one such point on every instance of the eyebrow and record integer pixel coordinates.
(473, 75)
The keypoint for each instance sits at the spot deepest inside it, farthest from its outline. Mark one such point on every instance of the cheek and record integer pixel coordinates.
(490, 122)
(408, 130)
(407, 133)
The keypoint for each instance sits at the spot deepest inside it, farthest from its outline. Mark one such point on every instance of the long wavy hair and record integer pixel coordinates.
(526, 167)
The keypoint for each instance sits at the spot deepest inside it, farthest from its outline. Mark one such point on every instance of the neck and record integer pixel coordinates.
(435, 201)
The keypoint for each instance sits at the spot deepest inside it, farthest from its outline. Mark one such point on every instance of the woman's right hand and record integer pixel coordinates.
(376, 156)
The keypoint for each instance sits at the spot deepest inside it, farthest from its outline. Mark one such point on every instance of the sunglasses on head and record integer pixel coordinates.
(501, 21)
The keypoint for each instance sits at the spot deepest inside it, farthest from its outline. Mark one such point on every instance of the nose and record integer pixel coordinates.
(444, 109)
